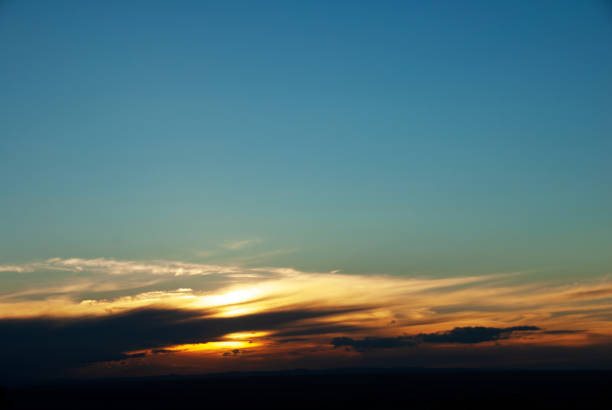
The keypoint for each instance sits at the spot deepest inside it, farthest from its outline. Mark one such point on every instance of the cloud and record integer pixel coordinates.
(158, 351)
(475, 334)
(236, 245)
(463, 335)
(362, 312)
(54, 346)
(591, 293)
(135, 355)
(117, 267)
(15, 268)
(114, 267)
(85, 287)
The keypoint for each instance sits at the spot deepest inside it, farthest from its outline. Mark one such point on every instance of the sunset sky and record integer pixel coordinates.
(209, 186)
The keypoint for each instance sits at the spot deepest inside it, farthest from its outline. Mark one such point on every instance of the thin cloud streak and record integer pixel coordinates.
(15, 268)
(237, 245)
(116, 267)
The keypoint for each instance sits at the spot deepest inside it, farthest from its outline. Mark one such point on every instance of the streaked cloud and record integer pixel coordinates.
(241, 244)
(16, 268)
(282, 312)
(116, 267)
(463, 335)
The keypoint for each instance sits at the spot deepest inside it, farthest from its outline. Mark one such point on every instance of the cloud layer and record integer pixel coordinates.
(464, 335)
(106, 315)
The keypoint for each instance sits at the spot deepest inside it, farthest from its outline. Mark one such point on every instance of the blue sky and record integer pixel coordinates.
(438, 138)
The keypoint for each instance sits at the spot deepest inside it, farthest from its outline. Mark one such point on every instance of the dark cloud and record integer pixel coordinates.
(476, 334)
(464, 335)
(158, 351)
(49, 347)
(135, 355)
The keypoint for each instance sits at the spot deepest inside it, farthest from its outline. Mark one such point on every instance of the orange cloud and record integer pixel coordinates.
(357, 307)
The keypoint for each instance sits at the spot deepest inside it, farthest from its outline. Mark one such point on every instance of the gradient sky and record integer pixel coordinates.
(388, 139)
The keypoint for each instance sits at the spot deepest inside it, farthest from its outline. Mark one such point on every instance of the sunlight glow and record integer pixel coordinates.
(229, 298)
(246, 335)
(213, 346)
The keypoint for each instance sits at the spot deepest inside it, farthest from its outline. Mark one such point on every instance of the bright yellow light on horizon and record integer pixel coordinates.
(246, 335)
(213, 346)
(241, 340)
(204, 347)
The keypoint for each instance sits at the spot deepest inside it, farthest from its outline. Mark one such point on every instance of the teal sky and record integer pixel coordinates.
(438, 138)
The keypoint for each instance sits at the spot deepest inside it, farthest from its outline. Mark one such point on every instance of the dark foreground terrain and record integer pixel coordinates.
(374, 389)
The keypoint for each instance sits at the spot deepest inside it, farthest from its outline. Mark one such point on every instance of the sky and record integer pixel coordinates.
(337, 183)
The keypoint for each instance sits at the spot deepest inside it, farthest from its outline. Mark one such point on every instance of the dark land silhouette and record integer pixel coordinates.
(339, 389)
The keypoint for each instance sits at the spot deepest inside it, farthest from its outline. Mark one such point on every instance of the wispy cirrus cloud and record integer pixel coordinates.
(240, 244)
(117, 267)
(405, 301)
(16, 268)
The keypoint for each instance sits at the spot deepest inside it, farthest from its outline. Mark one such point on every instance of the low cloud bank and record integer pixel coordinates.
(464, 335)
